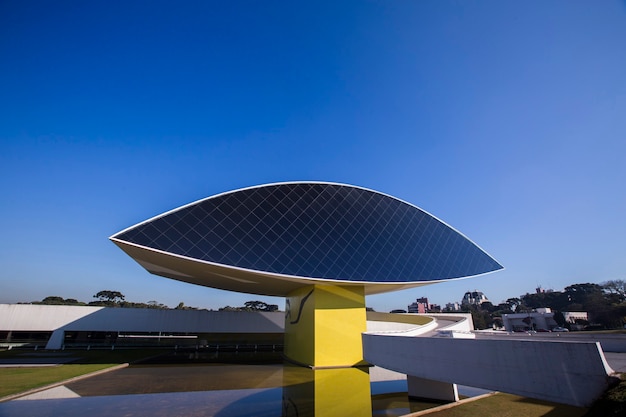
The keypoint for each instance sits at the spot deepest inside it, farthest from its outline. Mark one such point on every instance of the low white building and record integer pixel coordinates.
(540, 319)
(54, 326)
(574, 318)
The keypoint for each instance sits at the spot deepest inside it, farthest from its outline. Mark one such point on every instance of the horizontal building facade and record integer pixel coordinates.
(55, 327)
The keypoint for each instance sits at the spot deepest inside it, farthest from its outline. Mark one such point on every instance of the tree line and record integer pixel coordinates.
(605, 304)
(252, 306)
(108, 298)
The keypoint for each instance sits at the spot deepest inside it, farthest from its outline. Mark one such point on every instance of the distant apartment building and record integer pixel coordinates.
(420, 306)
(475, 298)
(453, 307)
(434, 308)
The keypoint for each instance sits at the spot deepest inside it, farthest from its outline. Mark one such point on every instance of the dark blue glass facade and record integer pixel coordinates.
(316, 230)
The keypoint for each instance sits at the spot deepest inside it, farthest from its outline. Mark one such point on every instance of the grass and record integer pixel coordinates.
(507, 405)
(16, 380)
(612, 404)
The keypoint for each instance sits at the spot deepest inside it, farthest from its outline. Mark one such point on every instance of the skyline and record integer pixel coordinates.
(505, 121)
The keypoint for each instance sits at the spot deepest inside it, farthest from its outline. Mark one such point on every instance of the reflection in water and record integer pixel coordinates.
(218, 389)
(166, 378)
(238, 403)
(326, 392)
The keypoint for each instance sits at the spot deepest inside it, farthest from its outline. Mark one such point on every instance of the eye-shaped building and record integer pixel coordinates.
(293, 239)
(272, 239)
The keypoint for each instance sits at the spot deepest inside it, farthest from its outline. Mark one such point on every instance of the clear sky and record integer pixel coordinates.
(507, 120)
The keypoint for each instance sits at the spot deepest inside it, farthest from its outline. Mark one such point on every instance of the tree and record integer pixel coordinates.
(488, 306)
(56, 300)
(156, 304)
(110, 297)
(551, 299)
(272, 307)
(497, 323)
(559, 318)
(52, 300)
(503, 308)
(252, 306)
(481, 318)
(579, 293)
(617, 288)
(259, 306)
(255, 305)
(513, 303)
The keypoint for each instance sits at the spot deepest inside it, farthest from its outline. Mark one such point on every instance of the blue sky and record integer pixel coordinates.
(507, 120)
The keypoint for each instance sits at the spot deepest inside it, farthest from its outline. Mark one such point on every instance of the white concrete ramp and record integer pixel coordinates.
(574, 373)
(50, 394)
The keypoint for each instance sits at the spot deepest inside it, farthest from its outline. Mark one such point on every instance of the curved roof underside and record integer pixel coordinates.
(274, 238)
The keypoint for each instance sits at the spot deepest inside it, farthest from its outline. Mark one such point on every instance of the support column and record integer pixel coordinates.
(432, 390)
(323, 326)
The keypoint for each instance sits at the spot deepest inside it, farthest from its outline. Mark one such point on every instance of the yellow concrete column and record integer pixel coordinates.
(323, 326)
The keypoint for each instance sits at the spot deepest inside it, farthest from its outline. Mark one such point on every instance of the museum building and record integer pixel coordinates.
(324, 246)
(271, 239)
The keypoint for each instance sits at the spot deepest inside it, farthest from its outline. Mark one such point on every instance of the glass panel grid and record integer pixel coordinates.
(316, 230)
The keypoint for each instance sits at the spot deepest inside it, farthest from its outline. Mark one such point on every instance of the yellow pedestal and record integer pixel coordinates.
(323, 326)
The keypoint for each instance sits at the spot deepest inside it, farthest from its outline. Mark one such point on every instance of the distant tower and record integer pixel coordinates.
(453, 307)
(474, 298)
(419, 306)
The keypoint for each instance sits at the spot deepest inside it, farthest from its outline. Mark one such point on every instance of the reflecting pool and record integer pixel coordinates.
(234, 386)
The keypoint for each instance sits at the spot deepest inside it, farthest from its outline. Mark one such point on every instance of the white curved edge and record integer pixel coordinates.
(311, 280)
(314, 182)
(461, 325)
(413, 331)
(574, 373)
(607, 367)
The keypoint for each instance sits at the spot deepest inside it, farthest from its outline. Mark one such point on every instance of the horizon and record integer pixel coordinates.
(254, 297)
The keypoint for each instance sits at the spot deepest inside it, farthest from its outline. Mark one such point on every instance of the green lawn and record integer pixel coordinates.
(507, 405)
(612, 403)
(16, 380)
